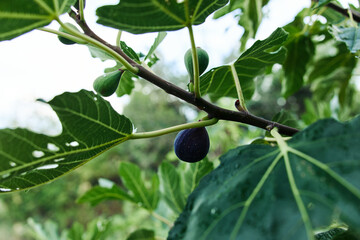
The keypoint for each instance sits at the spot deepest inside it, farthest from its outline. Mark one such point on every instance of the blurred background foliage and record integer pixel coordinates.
(318, 80)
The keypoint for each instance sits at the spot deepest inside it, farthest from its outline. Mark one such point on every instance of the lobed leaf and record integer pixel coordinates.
(147, 198)
(98, 194)
(171, 187)
(261, 192)
(192, 173)
(219, 82)
(90, 126)
(142, 16)
(20, 16)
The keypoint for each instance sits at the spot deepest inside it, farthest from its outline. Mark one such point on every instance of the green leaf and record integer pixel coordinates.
(350, 36)
(300, 52)
(160, 37)
(192, 173)
(327, 65)
(90, 126)
(126, 84)
(171, 187)
(322, 3)
(331, 75)
(99, 53)
(234, 5)
(20, 16)
(142, 16)
(286, 118)
(315, 111)
(219, 82)
(250, 17)
(129, 51)
(76, 232)
(98, 194)
(98, 229)
(259, 191)
(142, 234)
(147, 198)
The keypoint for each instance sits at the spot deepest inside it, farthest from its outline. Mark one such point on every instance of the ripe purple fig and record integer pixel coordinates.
(192, 145)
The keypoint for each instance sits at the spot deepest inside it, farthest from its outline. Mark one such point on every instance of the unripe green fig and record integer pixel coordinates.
(107, 84)
(64, 40)
(203, 59)
(192, 145)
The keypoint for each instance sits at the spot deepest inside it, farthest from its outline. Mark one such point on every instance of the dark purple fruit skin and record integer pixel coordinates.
(192, 145)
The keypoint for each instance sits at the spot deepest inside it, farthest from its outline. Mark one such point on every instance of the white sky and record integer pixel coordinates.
(37, 65)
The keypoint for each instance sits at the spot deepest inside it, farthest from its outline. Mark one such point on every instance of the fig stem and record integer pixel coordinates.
(81, 10)
(196, 78)
(174, 129)
(101, 46)
(162, 219)
(238, 88)
(63, 34)
(118, 38)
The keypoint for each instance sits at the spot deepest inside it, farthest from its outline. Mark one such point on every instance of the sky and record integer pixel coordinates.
(36, 65)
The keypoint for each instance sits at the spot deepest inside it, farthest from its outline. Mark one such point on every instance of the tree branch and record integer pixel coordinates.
(343, 11)
(211, 109)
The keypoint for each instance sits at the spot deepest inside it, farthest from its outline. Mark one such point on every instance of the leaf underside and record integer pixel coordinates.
(90, 126)
(142, 16)
(250, 195)
(20, 16)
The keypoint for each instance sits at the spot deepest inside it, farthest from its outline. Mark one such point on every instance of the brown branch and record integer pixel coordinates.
(211, 109)
(343, 11)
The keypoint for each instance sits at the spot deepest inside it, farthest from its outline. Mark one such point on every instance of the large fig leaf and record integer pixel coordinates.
(20, 16)
(90, 126)
(220, 81)
(288, 192)
(142, 16)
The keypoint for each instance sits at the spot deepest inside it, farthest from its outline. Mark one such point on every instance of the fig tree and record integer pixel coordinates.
(65, 40)
(203, 59)
(107, 84)
(192, 145)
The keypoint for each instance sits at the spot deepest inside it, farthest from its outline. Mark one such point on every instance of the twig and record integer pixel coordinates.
(211, 109)
(343, 11)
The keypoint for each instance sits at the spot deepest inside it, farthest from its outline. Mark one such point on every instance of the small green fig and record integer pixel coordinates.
(192, 145)
(107, 84)
(65, 40)
(203, 59)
